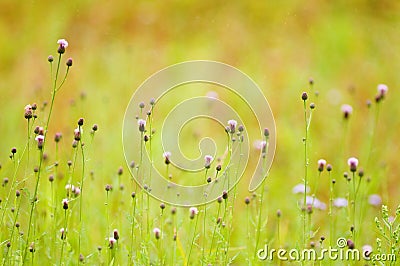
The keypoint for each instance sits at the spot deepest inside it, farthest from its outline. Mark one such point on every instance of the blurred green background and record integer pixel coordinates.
(347, 47)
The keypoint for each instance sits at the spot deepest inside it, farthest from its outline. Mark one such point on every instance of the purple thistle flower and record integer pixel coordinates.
(347, 110)
(340, 202)
(321, 164)
(167, 156)
(375, 200)
(63, 45)
(382, 90)
(232, 125)
(207, 161)
(193, 211)
(353, 163)
(142, 125)
(157, 232)
(40, 141)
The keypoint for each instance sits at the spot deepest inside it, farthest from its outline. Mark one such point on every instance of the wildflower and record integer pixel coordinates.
(63, 45)
(340, 202)
(375, 200)
(382, 90)
(207, 161)
(157, 232)
(366, 251)
(166, 156)
(247, 200)
(77, 133)
(232, 126)
(57, 137)
(116, 234)
(353, 163)
(300, 189)
(142, 125)
(321, 164)
(193, 211)
(111, 242)
(65, 204)
(304, 96)
(347, 110)
(28, 111)
(314, 202)
(62, 232)
(69, 62)
(266, 132)
(40, 141)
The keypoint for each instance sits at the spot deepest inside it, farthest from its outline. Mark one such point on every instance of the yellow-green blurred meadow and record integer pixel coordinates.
(346, 47)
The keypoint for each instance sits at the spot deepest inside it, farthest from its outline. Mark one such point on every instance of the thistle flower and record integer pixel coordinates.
(40, 141)
(63, 45)
(232, 125)
(193, 211)
(347, 110)
(353, 163)
(166, 156)
(375, 200)
(340, 202)
(111, 242)
(65, 204)
(157, 232)
(116, 234)
(77, 133)
(382, 90)
(300, 188)
(142, 125)
(28, 112)
(321, 164)
(207, 161)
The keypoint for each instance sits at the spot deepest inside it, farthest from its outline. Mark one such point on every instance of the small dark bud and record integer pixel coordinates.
(266, 132)
(350, 244)
(69, 62)
(224, 195)
(80, 122)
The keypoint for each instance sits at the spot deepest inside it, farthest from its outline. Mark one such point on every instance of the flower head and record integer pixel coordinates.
(142, 125)
(321, 164)
(347, 110)
(157, 232)
(300, 189)
(63, 44)
(167, 156)
(353, 163)
(65, 204)
(28, 111)
(382, 90)
(207, 161)
(40, 141)
(111, 242)
(232, 125)
(340, 202)
(193, 211)
(375, 200)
